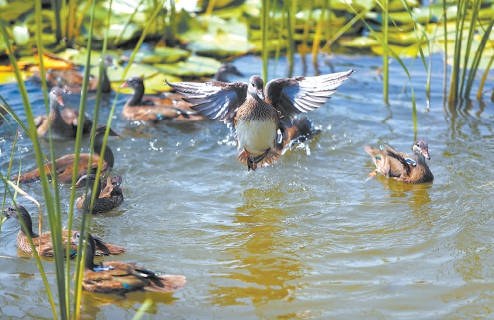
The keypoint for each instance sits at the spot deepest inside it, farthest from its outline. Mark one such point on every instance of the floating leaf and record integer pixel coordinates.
(193, 66)
(10, 11)
(359, 42)
(161, 55)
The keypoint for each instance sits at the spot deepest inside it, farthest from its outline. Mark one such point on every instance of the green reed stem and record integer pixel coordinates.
(484, 76)
(290, 8)
(145, 306)
(141, 39)
(345, 28)
(58, 24)
(445, 48)
(80, 258)
(385, 19)
(39, 161)
(469, 42)
(265, 37)
(126, 24)
(317, 36)
(455, 70)
(478, 55)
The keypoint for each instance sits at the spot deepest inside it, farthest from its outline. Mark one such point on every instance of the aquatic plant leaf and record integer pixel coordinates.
(359, 42)
(10, 11)
(193, 66)
(411, 51)
(161, 55)
(135, 70)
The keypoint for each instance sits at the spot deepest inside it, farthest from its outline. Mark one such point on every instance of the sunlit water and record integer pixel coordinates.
(311, 236)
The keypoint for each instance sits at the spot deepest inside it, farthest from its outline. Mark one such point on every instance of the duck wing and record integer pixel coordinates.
(292, 96)
(214, 99)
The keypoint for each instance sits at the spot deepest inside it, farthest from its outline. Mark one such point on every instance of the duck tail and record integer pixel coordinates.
(30, 176)
(165, 283)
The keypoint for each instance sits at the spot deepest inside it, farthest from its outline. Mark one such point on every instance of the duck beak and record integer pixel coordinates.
(124, 85)
(4, 219)
(260, 94)
(60, 101)
(425, 153)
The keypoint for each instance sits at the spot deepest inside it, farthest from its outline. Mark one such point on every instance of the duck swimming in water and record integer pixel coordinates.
(401, 166)
(42, 243)
(120, 277)
(108, 199)
(64, 165)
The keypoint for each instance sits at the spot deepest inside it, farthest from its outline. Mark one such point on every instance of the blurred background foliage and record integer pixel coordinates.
(221, 30)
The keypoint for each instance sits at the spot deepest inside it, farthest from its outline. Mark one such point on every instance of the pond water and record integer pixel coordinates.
(309, 237)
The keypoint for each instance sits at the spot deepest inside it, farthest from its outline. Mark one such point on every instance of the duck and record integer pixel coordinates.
(401, 166)
(64, 165)
(258, 117)
(43, 244)
(63, 124)
(111, 197)
(121, 277)
(153, 109)
(71, 80)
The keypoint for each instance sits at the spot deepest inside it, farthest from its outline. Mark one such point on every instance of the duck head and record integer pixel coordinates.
(256, 87)
(420, 147)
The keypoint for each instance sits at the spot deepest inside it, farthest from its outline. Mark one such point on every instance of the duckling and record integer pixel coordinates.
(108, 199)
(71, 80)
(400, 166)
(63, 124)
(65, 164)
(43, 243)
(143, 108)
(258, 115)
(121, 277)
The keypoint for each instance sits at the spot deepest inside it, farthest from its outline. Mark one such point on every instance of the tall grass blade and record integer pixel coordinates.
(397, 58)
(145, 306)
(290, 8)
(55, 4)
(317, 37)
(445, 48)
(484, 78)
(469, 42)
(265, 37)
(477, 57)
(455, 71)
(39, 161)
(385, 19)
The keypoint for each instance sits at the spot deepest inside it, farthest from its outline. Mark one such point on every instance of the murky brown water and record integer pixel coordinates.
(311, 236)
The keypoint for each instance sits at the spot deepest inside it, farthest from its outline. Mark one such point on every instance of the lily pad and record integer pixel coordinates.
(408, 51)
(359, 42)
(10, 11)
(193, 66)
(222, 38)
(161, 55)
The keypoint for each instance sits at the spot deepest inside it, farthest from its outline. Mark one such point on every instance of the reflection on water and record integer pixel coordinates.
(264, 261)
(311, 236)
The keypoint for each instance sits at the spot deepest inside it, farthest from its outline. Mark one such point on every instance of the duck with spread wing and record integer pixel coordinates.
(258, 116)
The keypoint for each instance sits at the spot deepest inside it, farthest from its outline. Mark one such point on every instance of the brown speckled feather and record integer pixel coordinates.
(121, 277)
(394, 164)
(43, 243)
(64, 165)
(143, 108)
